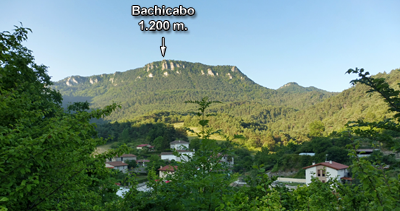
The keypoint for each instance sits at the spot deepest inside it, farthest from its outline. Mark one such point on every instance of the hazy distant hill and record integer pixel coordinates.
(165, 85)
(293, 87)
(350, 105)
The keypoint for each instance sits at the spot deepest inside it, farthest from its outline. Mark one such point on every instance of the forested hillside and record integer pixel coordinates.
(164, 85)
(266, 117)
(265, 125)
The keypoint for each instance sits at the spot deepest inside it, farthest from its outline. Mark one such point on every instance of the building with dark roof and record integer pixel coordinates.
(142, 162)
(124, 157)
(120, 165)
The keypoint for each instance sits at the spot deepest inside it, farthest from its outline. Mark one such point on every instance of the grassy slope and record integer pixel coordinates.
(197, 129)
(103, 148)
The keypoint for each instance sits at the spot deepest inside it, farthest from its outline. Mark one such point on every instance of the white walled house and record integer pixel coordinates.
(109, 166)
(142, 162)
(321, 171)
(179, 145)
(124, 157)
(141, 146)
(228, 160)
(308, 153)
(170, 156)
(167, 170)
(365, 152)
(120, 165)
(185, 154)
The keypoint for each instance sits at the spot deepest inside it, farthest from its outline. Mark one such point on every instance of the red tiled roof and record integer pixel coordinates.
(333, 165)
(109, 166)
(142, 161)
(117, 163)
(166, 181)
(168, 168)
(143, 145)
(347, 178)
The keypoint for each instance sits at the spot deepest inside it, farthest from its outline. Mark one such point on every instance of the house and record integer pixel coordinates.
(142, 162)
(364, 152)
(120, 165)
(170, 156)
(167, 170)
(321, 171)
(179, 145)
(308, 153)
(141, 146)
(229, 160)
(109, 166)
(151, 148)
(124, 157)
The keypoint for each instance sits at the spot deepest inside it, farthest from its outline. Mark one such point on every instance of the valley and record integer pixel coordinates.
(285, 122)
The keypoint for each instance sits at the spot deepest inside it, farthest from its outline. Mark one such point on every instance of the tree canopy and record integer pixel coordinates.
(46, 153)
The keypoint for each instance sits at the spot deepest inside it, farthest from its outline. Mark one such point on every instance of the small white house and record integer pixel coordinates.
(109, 166)
(142, 162)
(365, 152)
(179, 145)
(321, 171)
(141, 146)
(228, 160)
(120, 165)
(124, 157)
(167, 170)
(170, 156)
(308, 153)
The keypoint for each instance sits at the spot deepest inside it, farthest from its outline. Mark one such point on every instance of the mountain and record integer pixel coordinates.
(263, 115)
(293, 87)
(350, 105)
(165, 85)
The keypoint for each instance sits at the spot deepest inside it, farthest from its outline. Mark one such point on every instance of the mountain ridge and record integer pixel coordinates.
(166, 84)
(167, 66)
(288, 110)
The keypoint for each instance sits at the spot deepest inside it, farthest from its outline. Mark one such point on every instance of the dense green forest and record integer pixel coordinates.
(264, 116)
(164, 85)
(135, 133)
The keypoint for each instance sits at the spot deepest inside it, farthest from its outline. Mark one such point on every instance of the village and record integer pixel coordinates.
(322, 171)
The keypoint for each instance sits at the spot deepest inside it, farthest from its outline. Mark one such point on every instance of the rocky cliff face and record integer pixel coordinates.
(289, 84)
(164, 68)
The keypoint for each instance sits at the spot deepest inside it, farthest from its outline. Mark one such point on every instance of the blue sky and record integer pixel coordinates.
(312, 43)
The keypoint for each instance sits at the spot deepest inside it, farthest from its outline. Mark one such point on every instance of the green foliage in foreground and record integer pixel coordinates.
(46, 160)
